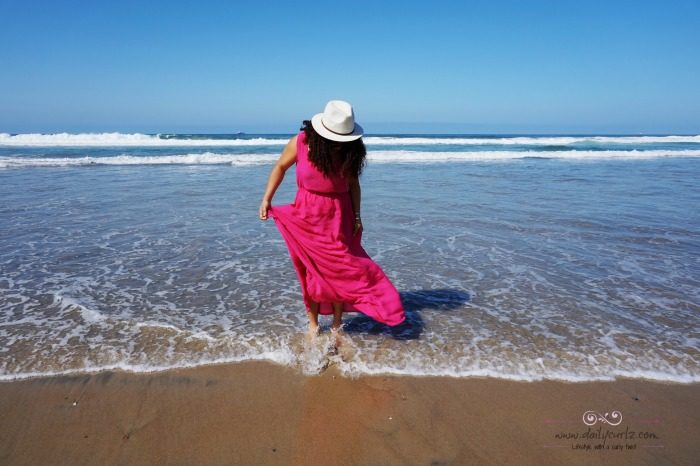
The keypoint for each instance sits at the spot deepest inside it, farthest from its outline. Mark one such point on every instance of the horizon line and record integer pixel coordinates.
(373, 134)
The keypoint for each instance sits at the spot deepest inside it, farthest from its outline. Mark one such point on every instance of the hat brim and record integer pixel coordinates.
(328, 134)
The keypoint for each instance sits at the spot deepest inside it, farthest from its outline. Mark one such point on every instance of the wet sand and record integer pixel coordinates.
(261, 413)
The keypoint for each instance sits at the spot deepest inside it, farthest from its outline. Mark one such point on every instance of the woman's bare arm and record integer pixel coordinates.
(356, 199)
(286, 160)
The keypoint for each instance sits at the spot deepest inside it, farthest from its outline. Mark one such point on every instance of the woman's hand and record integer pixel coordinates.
(264, 207)
(357, 227)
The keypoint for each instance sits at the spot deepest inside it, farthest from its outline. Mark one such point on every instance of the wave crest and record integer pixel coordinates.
(532, 140)
(206, 158)
(123, 140)
(150, 140)
(398, 156)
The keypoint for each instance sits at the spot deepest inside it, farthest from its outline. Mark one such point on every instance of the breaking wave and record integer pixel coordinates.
(160, 140)
(399, 156)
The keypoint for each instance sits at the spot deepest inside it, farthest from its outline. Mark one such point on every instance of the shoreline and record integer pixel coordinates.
(259, 412)
(330, 366)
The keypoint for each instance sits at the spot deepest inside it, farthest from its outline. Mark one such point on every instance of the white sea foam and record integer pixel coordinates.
(354, 370)
(420, 156)
(531, 140)
(117, 342)
(88, 315)
(314, 360)
(150, 140)
(398, 156)
(123, 140)
(281, 357)
(206, 158)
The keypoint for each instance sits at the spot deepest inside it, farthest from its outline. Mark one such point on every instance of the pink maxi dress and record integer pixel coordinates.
(330, 261)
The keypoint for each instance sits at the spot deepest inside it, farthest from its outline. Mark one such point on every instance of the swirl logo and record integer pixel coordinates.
(614, 418)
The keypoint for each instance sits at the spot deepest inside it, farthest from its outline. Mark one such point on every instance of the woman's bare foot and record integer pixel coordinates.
(313, 330)
(336, 333)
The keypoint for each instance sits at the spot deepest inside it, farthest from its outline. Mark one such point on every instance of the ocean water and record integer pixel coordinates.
(520, 257)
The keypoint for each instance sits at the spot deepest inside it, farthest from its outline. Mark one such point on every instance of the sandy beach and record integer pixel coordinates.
(261, 413)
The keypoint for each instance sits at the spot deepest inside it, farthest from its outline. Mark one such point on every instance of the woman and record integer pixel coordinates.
(323, 228)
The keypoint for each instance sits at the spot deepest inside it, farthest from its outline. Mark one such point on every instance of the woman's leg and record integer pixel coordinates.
(337, 323)
(313, 317)
(337, 315)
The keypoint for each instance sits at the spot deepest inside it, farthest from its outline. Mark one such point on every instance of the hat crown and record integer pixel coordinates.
(337, 122)
(339, 117)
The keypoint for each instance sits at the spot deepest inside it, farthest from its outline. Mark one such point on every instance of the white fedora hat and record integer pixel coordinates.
(337, 122)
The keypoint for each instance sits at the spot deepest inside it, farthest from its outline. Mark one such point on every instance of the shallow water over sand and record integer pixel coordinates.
(522, 268)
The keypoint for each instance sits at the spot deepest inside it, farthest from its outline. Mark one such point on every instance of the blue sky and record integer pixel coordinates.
(446, 67)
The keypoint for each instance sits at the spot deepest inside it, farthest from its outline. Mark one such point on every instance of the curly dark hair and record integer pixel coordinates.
(333, 157)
